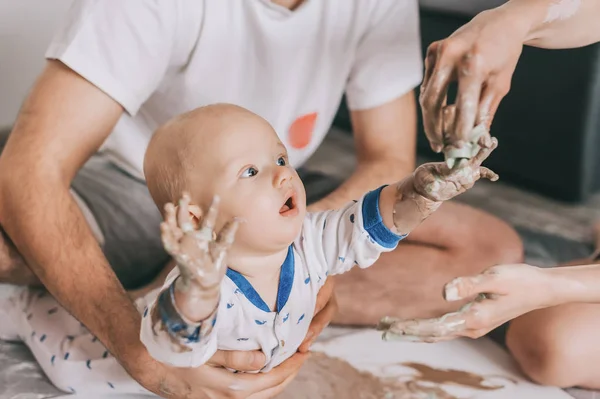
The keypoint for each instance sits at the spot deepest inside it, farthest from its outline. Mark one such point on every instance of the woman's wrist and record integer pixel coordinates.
(574, 284)
(525, 17)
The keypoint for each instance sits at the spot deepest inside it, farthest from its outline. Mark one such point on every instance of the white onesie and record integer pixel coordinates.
(331, 242)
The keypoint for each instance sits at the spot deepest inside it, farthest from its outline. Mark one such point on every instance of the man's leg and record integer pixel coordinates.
(558, 346)
(456, 240)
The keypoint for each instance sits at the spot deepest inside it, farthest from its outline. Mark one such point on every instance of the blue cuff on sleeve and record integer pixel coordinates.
(175, 325)
(373, 222)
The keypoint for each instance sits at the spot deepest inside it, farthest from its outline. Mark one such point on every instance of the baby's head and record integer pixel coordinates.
(227, 150)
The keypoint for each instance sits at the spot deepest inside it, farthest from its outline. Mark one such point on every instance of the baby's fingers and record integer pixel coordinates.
(169, 241)
(204, 236)
(171, 221)
(484, 152)
(183, 214)
(224, 241)
(488, 174)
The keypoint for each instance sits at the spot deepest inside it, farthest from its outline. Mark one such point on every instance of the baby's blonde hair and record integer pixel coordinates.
(164, 164)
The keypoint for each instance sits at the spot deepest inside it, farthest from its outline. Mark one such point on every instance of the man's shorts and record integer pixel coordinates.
(126, 222)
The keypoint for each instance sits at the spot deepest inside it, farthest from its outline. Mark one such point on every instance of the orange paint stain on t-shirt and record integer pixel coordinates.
(301, 131)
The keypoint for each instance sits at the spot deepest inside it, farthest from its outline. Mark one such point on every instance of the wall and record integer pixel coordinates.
(26, 28)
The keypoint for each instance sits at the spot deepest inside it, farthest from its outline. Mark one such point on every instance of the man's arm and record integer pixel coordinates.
(385, 141)
(61, 124)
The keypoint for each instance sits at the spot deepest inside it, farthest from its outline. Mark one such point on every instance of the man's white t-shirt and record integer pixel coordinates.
(160, 58)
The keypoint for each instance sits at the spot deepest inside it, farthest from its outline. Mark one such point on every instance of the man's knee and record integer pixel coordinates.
(547, 354)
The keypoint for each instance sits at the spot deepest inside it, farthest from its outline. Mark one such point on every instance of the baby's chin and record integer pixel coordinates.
(276, 236)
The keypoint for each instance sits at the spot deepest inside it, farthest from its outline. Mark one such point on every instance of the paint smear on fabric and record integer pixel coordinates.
(324, 377)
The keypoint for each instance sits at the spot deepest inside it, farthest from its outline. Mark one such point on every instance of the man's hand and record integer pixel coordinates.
(481, 56)
(437, 182)
(501, 294)
(200, 257)
(215, 382)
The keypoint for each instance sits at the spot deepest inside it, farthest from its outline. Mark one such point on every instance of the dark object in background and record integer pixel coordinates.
(548, 126)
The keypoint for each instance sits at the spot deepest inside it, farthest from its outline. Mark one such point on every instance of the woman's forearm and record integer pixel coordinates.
(557, 23)
(575, 284)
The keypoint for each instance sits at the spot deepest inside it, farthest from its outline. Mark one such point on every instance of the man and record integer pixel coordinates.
(119, 69)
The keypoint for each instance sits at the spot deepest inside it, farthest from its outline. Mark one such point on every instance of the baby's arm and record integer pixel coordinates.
(358, 233)
(177, 327)
(406, 204)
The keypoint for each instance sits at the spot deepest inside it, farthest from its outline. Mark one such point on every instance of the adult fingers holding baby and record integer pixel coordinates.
(325, 310)
(497, 295)
(208, 381)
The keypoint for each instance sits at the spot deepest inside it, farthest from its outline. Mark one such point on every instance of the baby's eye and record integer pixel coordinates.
(281, 161)
(250, 172)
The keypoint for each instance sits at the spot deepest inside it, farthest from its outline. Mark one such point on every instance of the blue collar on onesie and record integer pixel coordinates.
(286, 280)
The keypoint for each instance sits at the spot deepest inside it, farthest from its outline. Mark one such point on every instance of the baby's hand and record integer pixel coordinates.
(437, 182)
(200, 256)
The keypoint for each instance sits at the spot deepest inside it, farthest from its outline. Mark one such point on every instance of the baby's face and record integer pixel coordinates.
(252, 175)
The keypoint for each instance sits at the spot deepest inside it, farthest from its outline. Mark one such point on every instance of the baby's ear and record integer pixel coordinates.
(196, 214)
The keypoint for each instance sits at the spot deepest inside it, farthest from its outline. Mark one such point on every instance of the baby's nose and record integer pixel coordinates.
(282, 176)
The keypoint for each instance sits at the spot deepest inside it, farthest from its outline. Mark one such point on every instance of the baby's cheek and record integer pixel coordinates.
(256, 209)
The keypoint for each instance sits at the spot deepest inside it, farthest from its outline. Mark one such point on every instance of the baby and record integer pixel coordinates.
(258, 291)
(255, 292)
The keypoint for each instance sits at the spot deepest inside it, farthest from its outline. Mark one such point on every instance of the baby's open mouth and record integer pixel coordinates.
(289, 204)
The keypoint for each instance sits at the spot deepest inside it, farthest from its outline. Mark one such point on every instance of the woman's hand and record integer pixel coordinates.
(501, 294)
(481, 56)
